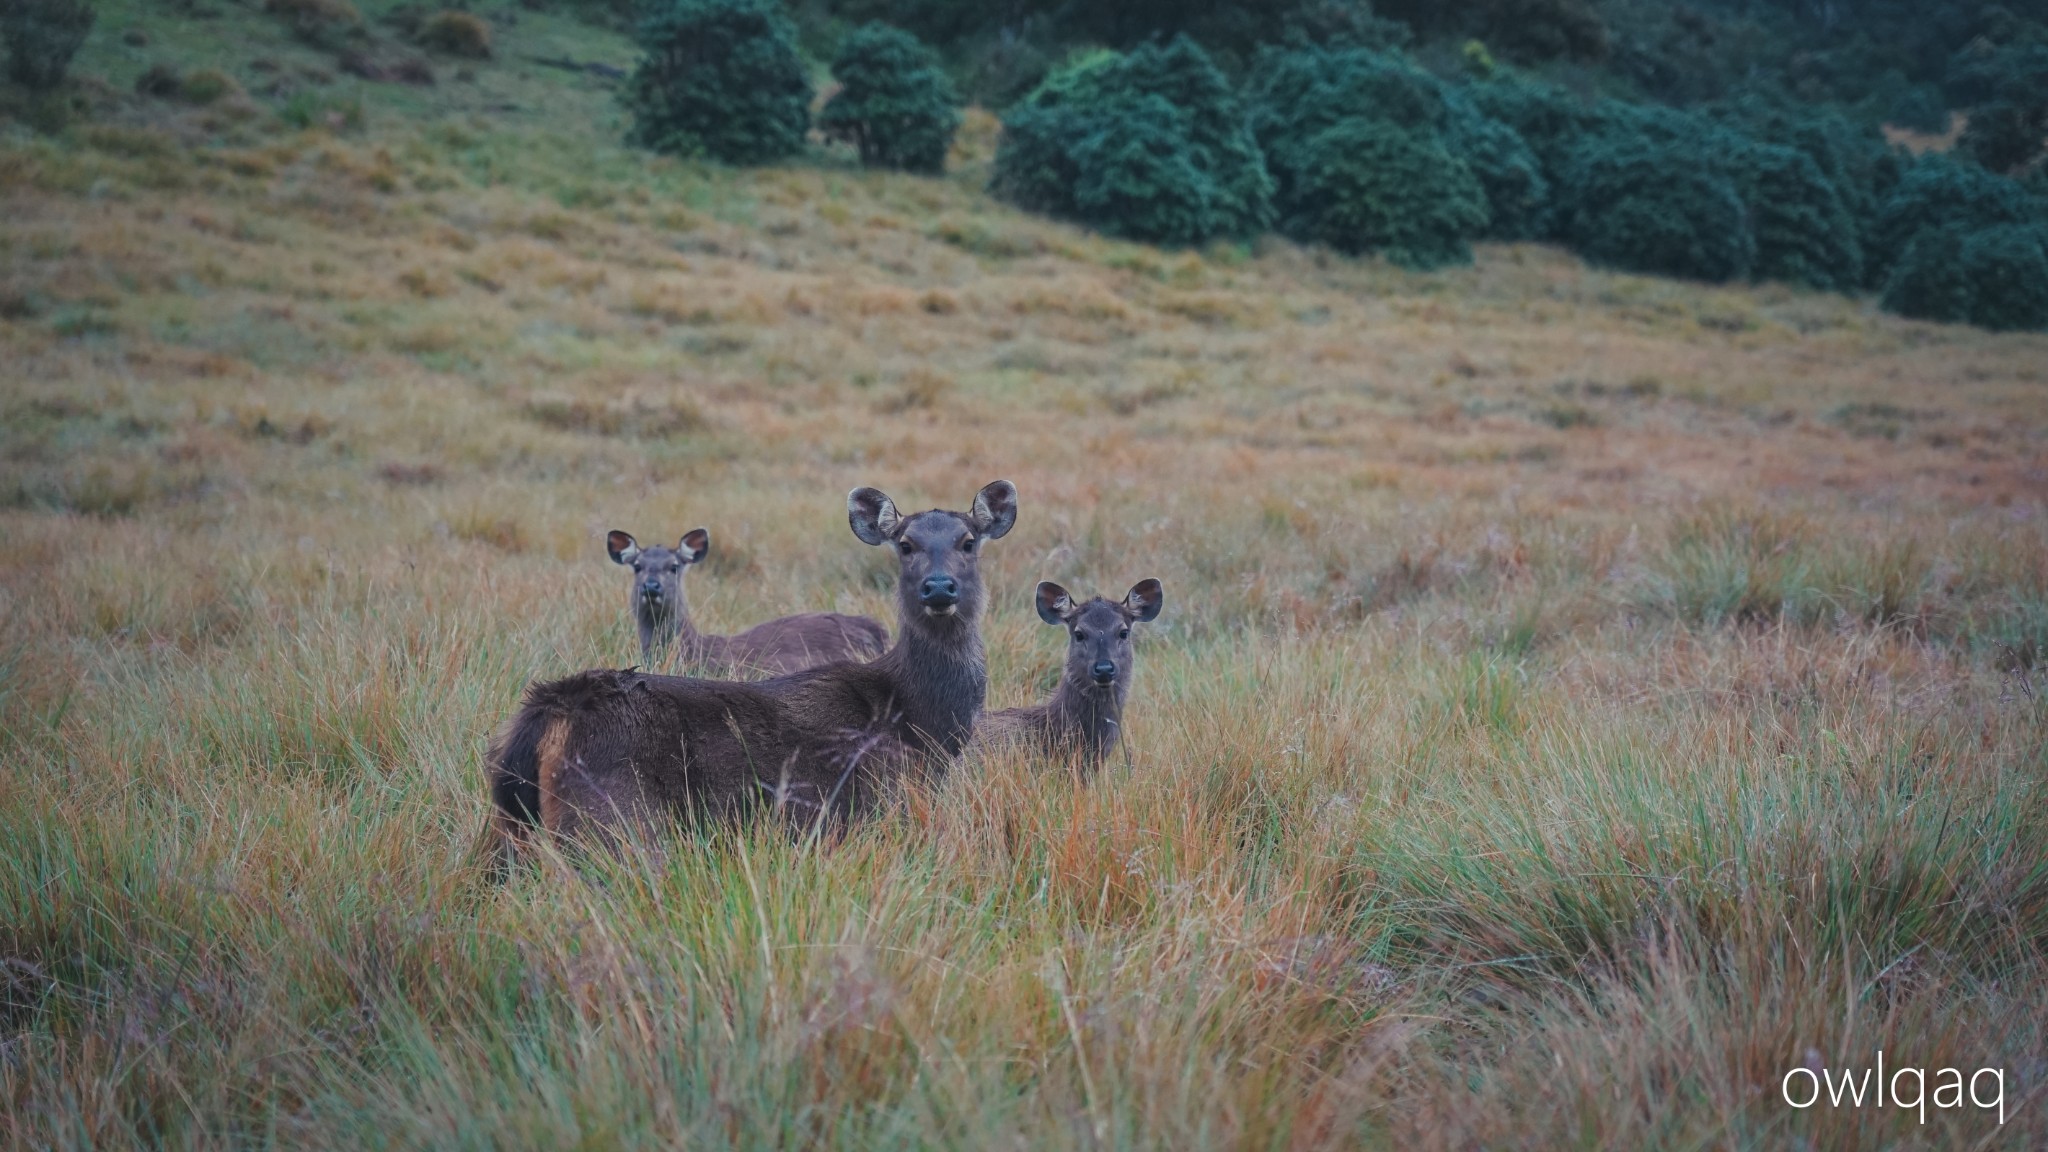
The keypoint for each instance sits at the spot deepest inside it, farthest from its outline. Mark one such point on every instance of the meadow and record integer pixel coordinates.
(1581, 698)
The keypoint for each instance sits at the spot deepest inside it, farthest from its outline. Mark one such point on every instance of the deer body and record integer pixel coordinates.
(788, 644)
(603, 750)
(1084, 719)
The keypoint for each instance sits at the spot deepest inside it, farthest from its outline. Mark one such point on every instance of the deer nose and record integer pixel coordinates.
(1105, 672)
(939, 590)
(651, 589)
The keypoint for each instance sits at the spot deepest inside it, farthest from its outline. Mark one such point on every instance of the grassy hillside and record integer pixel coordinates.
(1581, 698)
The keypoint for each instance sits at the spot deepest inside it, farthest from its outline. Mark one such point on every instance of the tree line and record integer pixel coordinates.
(1340, 134)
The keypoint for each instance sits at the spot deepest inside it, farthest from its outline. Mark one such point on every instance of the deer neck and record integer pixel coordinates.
(1089, 711)
(941, 679)
(662, 625)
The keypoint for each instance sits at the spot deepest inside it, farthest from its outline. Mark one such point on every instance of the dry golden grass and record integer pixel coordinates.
(1582, 698)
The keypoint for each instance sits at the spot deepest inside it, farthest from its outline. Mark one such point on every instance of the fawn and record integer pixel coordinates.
(1084, 718)
(783, 645)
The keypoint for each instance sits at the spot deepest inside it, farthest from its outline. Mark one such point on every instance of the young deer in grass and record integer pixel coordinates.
(789, 644)
(605, 750)
(1084, 718)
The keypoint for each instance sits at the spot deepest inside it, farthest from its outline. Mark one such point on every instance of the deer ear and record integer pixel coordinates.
(1145, 599)
(871, 514)
(622, 546)
(696, 542)
(1053, 603)
(995, 509)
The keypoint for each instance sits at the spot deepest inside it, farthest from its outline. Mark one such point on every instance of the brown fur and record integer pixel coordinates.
(606, 750)
(553, 745)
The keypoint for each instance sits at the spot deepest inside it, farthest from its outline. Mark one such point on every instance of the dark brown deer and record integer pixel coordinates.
(789, 644)
(1084, 718)
(604, 751)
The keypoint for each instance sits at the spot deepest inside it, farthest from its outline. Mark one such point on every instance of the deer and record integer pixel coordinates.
(1084, 719)
(788, 644)
(608, 752)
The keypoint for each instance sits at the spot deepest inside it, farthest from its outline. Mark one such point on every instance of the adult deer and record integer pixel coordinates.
(1084, 719)
(788, 644)
(603, 751)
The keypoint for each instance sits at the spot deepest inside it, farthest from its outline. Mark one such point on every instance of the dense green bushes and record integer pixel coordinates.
(2005, 86)
(1349, 143)
(1550, 120)
(894, 104)
(1152, 145)
(42, 36)
(1939, 192)
(1369, 153)
(1820, 200)
(720, 79)
(2005, 135)
(1993, 277)
(1911, 59)
(1953, 242)
(1365, 185)
(1804, 234)
(1649, 205)
(1518, 195)
(2008, 272)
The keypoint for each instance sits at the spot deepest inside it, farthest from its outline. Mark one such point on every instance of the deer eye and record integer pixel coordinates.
(905, 547)
(1079, 635)
(967, 545)
(1123, 633)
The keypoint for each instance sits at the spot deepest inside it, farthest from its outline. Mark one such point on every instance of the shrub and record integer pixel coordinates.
(1730, 566)
(1984, 71)
(1804, 234)
(1298, 92)
(1537, 30)
(2006, 88)
(2004, 135)
(1921, 109)
(1138, 176)
(1937, 191)
(457, 34)
(2008, 271)
(42, 36)
(1994, 277)
(1518, 199)
(1123, 165)
(1550, 120)
(1369, 185)
(1223, 145)
(1034, 166)
(1658, 206)
(894, 104)
(1928, 282)
(1343, 23)
(1426, 169)
(1152, 145)
(721, 79)
(208, 86)
(160, 81)
(1854, 156)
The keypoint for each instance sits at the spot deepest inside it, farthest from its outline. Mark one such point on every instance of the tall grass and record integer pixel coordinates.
(1495, 781)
